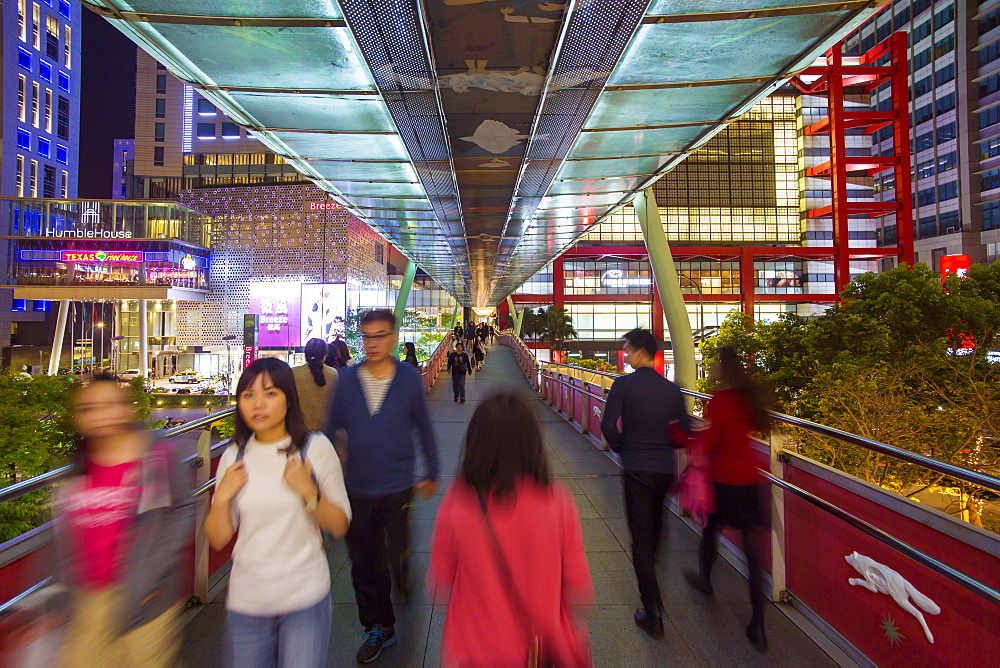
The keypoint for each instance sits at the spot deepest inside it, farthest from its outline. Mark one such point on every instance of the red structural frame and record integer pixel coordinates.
(832, 79)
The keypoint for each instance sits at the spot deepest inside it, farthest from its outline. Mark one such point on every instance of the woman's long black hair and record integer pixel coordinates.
(315, 353)
(280, 375)
(411, 350)
(503, 443)
(734, 374)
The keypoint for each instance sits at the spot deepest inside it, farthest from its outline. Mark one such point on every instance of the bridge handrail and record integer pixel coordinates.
(946, 468)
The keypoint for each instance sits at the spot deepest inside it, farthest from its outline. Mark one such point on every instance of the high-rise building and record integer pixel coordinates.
(40, 42)
(954, 55)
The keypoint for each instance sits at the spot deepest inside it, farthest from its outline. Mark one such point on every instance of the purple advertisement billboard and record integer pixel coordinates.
(279, 308)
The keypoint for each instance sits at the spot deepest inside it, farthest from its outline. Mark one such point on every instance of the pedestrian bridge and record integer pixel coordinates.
(820, 516)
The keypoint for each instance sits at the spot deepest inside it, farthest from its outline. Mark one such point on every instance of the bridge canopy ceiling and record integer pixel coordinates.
(483, 137)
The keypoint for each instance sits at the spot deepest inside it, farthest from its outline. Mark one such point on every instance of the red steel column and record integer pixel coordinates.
(901, 145)
(657, 315)
(558, 283)
(838, 170)
(747, 282)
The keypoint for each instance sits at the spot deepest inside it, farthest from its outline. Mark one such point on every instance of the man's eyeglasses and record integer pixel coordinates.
(375, 338)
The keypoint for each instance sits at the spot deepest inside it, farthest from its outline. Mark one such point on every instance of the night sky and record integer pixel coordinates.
(107, 110)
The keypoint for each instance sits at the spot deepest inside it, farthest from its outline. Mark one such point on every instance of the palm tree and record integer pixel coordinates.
(533, 324)
(558, 327)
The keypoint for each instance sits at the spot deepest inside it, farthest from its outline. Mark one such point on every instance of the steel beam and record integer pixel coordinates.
(404, 292)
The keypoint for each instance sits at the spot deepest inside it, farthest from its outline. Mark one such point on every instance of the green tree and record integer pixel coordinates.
(558, 326)
(532, 325)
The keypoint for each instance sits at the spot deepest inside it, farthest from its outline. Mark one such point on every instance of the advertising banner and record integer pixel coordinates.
(278, 307)
(324, 306)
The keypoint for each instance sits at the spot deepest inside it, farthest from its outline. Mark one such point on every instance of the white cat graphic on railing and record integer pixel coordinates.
(881, 579)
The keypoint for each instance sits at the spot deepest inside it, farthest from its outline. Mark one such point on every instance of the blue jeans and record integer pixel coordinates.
(458, 385)
(294, 640)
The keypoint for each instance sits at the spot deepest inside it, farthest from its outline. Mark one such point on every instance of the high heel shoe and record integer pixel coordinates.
(758, 639)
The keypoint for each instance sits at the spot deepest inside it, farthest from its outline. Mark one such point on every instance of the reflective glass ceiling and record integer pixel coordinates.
(482, 139)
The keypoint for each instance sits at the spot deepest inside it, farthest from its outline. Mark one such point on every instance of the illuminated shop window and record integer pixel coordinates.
(608, 321)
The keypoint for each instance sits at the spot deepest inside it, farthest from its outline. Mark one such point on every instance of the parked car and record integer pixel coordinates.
(187, 377)
(183, 390)
(129, 375)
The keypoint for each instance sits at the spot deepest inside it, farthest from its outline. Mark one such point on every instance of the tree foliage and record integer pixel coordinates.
(888, 363)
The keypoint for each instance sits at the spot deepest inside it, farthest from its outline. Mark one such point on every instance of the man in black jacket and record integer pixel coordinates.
(460, 366)
(650, 407)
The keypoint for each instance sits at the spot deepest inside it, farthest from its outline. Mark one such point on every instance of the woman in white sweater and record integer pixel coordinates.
(280, 485)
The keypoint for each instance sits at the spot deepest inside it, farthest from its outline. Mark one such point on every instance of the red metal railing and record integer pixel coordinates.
(822, 517)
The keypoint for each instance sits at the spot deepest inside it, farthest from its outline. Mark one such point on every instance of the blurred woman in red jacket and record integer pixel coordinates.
(502, 529)
(736, 409)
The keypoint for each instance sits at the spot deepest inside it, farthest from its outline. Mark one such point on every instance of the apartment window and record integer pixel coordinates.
(64, 9)
(947, 191)
(24, 58)
(920, 32)
(947, 162)
(44, 147)
(48, 181)
(946, 132)
(902, 17)
(161, 107)
(989, 53)
(45, 71)
(924, 113)
(925, 169)
(989, 85)
(64, 188)
(922, 59)
(62, 118)
(35, 102)
(926, 196)
(36, 19)
(991, 215)
(206, 108)
(161, 84)
(161, 66)
(230, 131)
(68, 48)
(944, 17)
(64, 81)
(158, 156)
(927, 227)
(922, 87)
(22, 23)
(19, 177)
(989, 22)
(52, 37)
(206, 131)
(33, 179)
(925, 141)
(62, 154)
(883, 31)
(48, 110)
(990, 148)
(22, 85)
(23, 139)
(946, 103)
(989, 117)
(159, 131)
(944, 75)
(946, 45)
(989, 180)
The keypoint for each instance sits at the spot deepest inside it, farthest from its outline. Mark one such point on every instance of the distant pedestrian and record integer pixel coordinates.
(316, 383)
(338, 354)
(737, 408)
(279, 485)
(507, 553)
(470, 335)
(648, 405)
(478, 352)
(381, 404)
(459, 366)
(410, 354)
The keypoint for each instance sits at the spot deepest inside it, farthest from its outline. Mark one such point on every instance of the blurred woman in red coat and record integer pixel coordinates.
(508, 547)
(736, 409)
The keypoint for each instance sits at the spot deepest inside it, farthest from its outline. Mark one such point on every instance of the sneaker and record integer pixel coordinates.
(463, 400)
(456, 400)
(650, 620)
(377, 638)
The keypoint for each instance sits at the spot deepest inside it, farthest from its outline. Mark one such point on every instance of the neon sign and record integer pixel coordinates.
(323, 206)
(102, 256)
(614, 278)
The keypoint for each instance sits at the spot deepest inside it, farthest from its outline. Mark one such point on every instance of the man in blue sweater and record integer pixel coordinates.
(650, 408)
(380, 403)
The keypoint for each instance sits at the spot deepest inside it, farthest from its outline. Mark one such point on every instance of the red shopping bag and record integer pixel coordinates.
(696, 495)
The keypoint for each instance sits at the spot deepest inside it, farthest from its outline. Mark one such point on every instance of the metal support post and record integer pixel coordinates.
(404, 292)
(838, 170)
(558, 283)
(202, 474)
(515, 316)
(454, 314)
(57, 342)
(661, 261)
(900, 88)
(778, 583)
(143, 340)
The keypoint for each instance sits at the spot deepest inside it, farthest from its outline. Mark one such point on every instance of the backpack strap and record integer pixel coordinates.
(241, 450)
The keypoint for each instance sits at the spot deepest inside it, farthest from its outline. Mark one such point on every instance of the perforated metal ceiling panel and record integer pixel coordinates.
(483, 137)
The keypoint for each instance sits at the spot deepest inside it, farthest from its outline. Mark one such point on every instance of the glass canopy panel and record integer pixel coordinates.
(351, 113)
(336, 170)
(354, 189)
(321, 9)
(638, 142)
(631, 108)
(372, 147)
(602, 185)
(718, 50)
(284, 58)
(379, 205)
(578, 201)
(576, 169)
(662, 7)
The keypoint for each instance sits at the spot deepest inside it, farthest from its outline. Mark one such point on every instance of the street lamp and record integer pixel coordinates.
(229, 338)
(100, 326)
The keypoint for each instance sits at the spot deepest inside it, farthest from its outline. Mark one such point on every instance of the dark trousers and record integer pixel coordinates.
(644, 495)
(741, 507)
(458, 385)
(377, 540)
